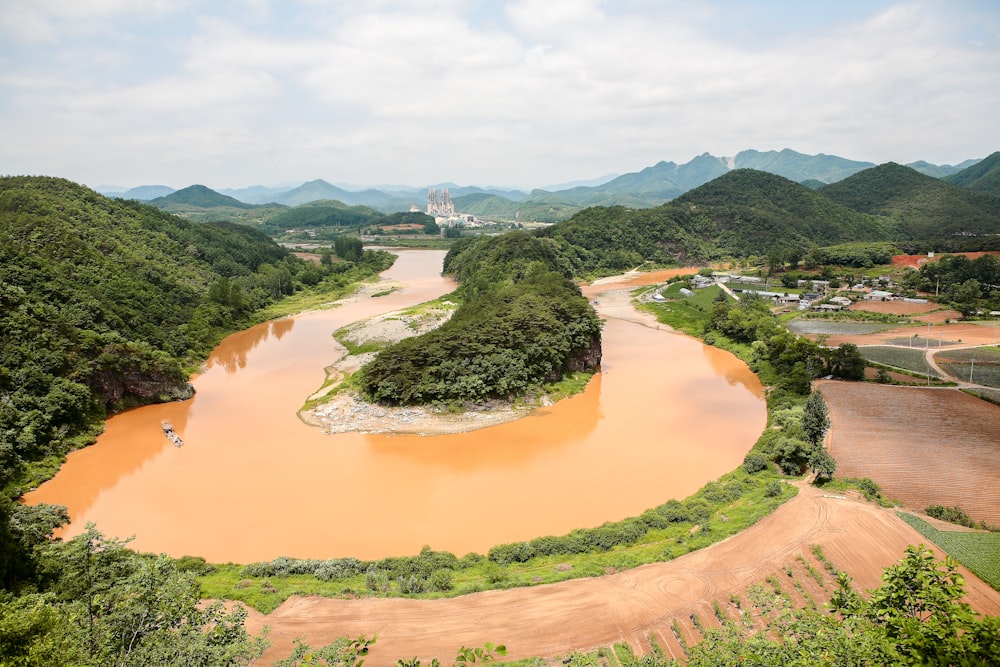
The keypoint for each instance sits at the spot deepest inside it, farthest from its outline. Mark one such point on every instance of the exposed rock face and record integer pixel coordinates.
(587, 359)
(583, 359)
(131, 386)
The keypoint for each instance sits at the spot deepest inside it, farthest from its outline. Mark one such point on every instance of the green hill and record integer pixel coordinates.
(744, 212)
(920, 207)
(320, 214)
(104, 303)
(982, 177)
(197, 196)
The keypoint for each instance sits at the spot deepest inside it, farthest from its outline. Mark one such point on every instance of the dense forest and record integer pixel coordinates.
(918, 207)
(739, 214)
(522, 323)
(107, 304)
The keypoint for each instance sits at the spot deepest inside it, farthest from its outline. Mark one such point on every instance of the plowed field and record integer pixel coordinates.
(922, 446)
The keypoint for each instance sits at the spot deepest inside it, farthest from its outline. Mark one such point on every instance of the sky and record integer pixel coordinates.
(506, 93)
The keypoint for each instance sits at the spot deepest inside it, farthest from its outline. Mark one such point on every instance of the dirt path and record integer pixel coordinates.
(583, 614)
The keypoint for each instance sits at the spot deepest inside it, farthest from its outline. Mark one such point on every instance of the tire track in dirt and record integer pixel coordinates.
(584, 614)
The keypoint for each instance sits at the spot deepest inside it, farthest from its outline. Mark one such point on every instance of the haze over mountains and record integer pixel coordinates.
(651, 186)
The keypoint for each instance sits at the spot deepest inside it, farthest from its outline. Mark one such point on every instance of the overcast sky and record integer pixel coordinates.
(523, 93)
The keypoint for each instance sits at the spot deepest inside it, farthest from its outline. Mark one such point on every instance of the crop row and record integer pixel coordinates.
(980, 365)
(910, 359)
(975, 550)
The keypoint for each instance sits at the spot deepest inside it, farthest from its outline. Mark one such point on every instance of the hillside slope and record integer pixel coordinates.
(921, 207)
(104, 302)
(982, 177)
(744, 212)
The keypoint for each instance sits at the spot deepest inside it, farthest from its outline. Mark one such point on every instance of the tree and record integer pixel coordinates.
(349, 248)
(965, 297)
(815, 418)
(847, 363)
(120, 608)
(821, 462)
(919, 607)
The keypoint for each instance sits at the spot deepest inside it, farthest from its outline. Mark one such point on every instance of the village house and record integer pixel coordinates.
(879, 295)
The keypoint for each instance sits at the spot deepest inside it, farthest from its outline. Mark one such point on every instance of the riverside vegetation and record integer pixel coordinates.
(67, 599)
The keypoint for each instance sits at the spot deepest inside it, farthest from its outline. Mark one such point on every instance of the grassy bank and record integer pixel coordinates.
(717, 511)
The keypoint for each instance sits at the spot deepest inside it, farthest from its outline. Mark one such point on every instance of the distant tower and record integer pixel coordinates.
(445, 205)
(439, 204)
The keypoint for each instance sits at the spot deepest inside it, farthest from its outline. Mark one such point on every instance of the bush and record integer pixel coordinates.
(954, 515)
(377, 580)
(411, 585)
(194, 564)
(773, 489)
(440, 581)
(754, 462)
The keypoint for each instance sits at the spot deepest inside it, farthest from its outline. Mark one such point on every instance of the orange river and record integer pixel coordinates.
(253, 482)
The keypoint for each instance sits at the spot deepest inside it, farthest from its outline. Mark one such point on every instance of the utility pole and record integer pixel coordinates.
(972, 368)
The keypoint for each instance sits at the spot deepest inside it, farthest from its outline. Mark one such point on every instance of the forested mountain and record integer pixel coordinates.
(320, 189)
(142, 193)
(104, 304)
(197, 196)
(646, 188)
(742, 213)
(920, 207)
(666, 181)
(320, 215)
(983, 176)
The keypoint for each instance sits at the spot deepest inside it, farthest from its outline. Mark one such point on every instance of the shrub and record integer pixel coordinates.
(411, 585)
(194, 564)
(440, 581)
(754, 462)
(773, 489)
(954, 515)
(377, 580)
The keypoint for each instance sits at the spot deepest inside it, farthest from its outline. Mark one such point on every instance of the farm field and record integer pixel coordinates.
(979, 365)
(975, 550)
(911, 359)
(923, 446)
(827, 327)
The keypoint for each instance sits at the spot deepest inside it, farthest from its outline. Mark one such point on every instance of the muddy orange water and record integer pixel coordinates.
(253, 482)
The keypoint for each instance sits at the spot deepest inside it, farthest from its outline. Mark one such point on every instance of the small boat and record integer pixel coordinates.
(168, 430)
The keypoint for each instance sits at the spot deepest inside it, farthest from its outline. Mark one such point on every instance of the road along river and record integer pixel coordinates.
(253, 482)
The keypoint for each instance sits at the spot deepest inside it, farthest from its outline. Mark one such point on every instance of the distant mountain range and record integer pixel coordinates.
(649, 187)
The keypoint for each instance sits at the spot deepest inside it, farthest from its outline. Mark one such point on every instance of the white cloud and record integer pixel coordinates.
(538, 92)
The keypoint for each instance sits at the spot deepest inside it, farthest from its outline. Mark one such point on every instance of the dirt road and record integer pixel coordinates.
(631, 606)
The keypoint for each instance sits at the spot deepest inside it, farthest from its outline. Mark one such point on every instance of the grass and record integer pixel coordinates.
(977, 551)
(687, 314)
(473, 574)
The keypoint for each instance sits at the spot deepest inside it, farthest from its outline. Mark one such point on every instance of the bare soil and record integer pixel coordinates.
(923, 446)
(583, 614)
(945, 324)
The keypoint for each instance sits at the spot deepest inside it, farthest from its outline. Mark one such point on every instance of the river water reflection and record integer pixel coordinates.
(253, 482)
